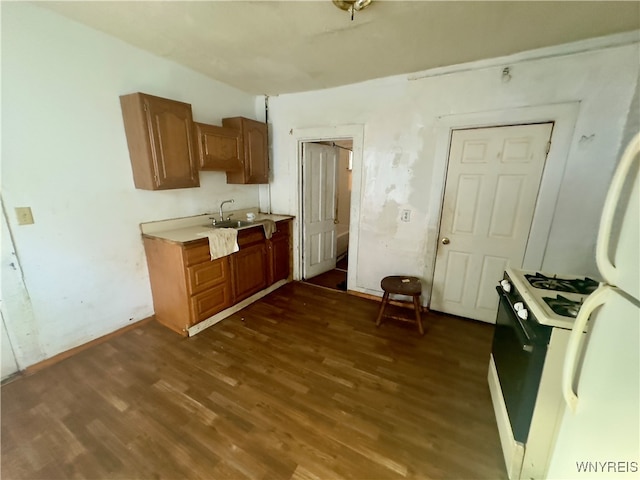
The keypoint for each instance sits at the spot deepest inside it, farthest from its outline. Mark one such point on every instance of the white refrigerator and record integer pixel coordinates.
(599, 432)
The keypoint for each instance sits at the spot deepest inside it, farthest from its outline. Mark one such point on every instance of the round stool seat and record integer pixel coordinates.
(401, 285)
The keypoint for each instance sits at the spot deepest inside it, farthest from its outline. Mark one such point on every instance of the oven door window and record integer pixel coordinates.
(519, 359)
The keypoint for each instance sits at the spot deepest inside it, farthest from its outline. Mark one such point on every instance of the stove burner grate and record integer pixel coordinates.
(563, 306)
(583, 286)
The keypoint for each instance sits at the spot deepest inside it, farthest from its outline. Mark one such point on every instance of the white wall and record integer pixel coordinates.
(64, 154)
(402, 116)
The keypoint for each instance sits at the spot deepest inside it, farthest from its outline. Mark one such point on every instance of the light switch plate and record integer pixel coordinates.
(24, 215)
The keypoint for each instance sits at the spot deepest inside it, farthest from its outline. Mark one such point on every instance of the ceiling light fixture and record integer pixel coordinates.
(351, 6)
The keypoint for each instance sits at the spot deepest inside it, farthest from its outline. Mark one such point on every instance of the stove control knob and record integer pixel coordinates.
(506, 286)
(524, 314)
(518, 306)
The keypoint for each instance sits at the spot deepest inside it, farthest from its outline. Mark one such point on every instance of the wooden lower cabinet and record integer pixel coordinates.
(188, 287)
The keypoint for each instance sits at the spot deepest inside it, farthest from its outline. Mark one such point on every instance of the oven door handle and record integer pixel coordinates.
(593, 301)
(520, 329)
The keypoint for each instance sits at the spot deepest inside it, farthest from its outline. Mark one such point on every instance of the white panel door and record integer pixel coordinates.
(319, 164)
(490, 194)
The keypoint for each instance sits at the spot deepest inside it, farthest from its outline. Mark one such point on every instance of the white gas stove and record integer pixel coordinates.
(535, 316)
(553, 300)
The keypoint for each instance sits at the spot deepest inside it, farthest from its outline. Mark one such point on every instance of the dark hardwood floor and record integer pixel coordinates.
(335, 279)
(300, 385)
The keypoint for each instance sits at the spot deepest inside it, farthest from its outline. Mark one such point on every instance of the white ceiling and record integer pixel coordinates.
(274, 47)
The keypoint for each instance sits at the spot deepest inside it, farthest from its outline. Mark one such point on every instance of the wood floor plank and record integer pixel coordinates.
(299, 385)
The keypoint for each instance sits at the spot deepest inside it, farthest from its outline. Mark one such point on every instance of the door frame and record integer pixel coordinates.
(324, 134)
(564, 116)
(15, 302)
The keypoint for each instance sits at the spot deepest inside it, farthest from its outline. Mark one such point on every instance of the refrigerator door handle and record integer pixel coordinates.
(593, 301)
(603, 258)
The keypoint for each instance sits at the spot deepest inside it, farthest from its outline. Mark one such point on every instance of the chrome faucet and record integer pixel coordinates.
(223, 202)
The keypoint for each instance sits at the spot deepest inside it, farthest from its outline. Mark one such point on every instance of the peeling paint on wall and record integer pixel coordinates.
(400, 120)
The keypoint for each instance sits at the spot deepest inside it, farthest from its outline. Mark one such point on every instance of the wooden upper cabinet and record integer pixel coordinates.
(219, 148)
(160, 138)
(255, 158)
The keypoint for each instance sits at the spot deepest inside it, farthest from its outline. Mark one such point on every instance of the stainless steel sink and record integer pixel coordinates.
(231, 224)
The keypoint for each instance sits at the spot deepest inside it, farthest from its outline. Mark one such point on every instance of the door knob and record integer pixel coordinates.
(445, 241)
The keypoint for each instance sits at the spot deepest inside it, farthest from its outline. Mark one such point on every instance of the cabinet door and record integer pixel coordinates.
(160, 139)
(280, 252)
(219, 148)
(255, 157)
(249, 271)
(256, 152)
(280, 264)
(169, 284)
(171, 132)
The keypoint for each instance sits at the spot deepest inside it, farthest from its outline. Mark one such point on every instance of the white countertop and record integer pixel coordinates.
(189, 229)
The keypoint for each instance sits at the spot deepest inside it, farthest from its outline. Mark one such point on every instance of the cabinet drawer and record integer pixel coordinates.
(282, 229)
(197, 253)
(210, 302)
(250, 235)
(205, 275)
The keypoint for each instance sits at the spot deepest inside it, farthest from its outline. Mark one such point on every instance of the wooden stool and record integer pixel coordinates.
(410, 286)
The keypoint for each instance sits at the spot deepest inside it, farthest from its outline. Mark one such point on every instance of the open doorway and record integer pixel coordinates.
(326, 192)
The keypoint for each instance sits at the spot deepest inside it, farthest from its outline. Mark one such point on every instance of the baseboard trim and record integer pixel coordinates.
(36, 367)
(218, 317)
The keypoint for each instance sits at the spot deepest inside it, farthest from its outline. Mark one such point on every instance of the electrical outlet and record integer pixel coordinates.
(405, 216)
(24, 215)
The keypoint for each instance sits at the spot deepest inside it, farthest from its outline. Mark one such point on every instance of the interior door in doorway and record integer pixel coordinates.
(493, 178)
(319, 165)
